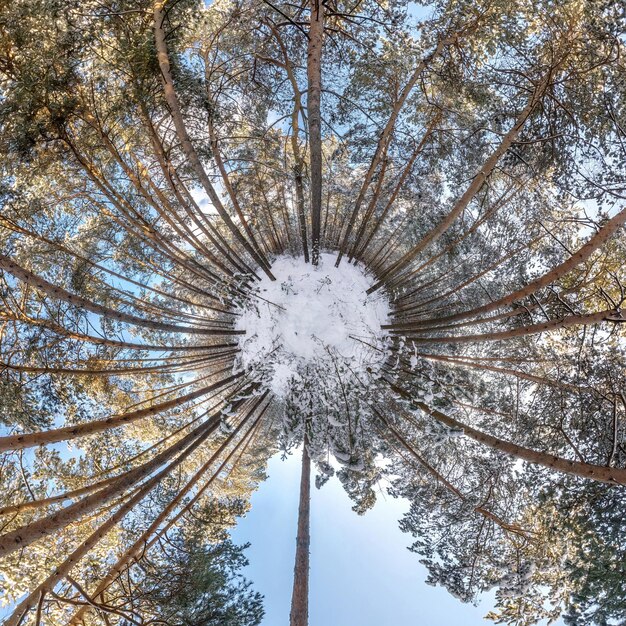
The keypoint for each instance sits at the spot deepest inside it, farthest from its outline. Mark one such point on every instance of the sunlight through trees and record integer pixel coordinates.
(386, 237)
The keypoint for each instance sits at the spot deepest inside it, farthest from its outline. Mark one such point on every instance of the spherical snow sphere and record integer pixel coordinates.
(313, 318)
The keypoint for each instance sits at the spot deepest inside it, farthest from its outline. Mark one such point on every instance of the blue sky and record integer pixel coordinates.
(361, 571)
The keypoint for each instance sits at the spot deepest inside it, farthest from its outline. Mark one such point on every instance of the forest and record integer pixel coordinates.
(384, 236)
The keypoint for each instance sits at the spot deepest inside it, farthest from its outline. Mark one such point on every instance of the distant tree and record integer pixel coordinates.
(188, 584)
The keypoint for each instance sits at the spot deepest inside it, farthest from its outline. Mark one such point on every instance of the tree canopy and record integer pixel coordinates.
(432, 196)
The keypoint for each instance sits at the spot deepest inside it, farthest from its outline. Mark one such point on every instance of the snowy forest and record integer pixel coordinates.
(384, 236)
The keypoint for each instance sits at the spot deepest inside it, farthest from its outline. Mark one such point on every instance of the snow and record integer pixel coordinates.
(309, 317)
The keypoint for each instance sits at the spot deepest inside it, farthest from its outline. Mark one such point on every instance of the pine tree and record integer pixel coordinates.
(162, 163)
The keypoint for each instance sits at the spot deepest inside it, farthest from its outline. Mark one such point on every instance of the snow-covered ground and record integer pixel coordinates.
(312, 316)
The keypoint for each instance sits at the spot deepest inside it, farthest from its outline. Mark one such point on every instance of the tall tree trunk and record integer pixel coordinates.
(314, 74)
(25, 535)
(467, 363)
(221, 166)
(609, 315)
(180, 366)
(187, 146)
(7, 264)
(102, 341)
(101, 268)
(358, 252)
(440, 478)
(83, 549)
(190, 207)
(420, 307)
(298, 167)
(385, 136)
(299, 615)
(601, 473)
(475, 186)
(371, 206)
(511, 191)
(580, 256)
(157, 529)
(66, 433)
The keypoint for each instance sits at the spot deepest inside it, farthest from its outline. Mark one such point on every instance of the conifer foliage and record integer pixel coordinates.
(387, 234)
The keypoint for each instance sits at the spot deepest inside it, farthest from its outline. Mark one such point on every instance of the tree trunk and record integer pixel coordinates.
(59, 293)
(474, 187)
(314, 74)
(298, 168)
(581, 255)
(359, 252)
(92, 540)
(217, 157)
(299, 615)
(480, 509)
(609, 315)
(101, 341)
(371, 207)
(155, 531)
(512, 190)
(179, 366)
(181, 131)
(418, 307)
(101, 268)
(539, 380)
(189, 205)
(601, 473)
(28, 440)
(25, 535)
(385, 136)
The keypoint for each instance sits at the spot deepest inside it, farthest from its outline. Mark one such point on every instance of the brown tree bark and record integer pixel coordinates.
(190, 207)
(84, 259)
(481, 510)
(314, 96)
(601, 473)
(102, 341)
(609, 315)
(83, 549)
(360, 251)
(417, 308)
(181, 131)
(580, 256)
(299, 615)
(66, 433)
(180, 365)
(152, 533)
(385, 136)
(59, 293)
(102, 482)
(510, 192)
(476, 184)
(298, 170)
(371, 206)
(25, 535)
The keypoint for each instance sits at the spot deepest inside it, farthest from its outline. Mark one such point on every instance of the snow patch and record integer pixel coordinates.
(311, 317)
